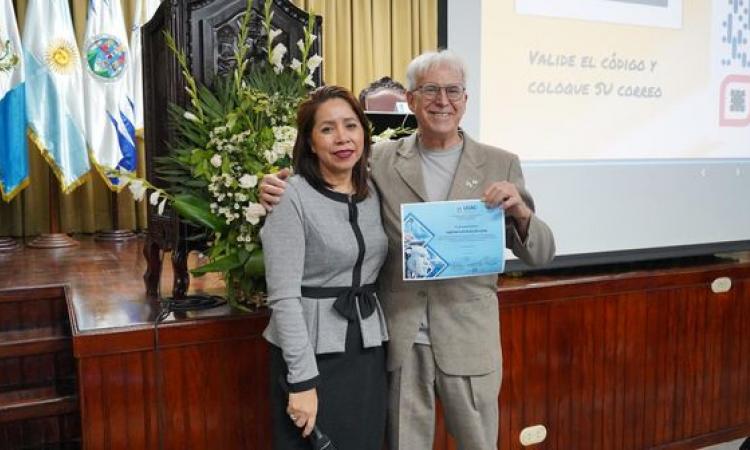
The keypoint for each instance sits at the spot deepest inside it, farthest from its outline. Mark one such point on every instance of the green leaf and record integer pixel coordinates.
(254, 266)
(223, 264)
(198, 210)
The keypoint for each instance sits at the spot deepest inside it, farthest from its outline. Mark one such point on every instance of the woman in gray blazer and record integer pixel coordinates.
(323, 247)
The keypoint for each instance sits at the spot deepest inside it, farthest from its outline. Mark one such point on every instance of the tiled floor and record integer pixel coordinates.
(734, 445)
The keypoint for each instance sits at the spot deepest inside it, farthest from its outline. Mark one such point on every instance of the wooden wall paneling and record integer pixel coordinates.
(579, 424)
(562, 367)
(610, 363)
(596, 320)
(731, 358)
(199, 384)
(655, 330)
(231, 384)
(658, 363)
(214, 391)
(536, 360)
(513, 362)
(92, 403)
(744, 351)
(149, 397)
(715, 312)
(175, 431)
(506, 336)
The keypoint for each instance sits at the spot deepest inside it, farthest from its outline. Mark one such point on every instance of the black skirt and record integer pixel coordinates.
(351, 397)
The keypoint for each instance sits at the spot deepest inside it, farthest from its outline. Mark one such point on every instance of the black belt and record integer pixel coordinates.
(347, 299)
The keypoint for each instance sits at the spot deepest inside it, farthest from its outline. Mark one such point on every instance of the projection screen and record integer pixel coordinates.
(631, 117)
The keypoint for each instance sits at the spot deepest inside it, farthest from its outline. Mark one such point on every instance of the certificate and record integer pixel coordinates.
(451, 239)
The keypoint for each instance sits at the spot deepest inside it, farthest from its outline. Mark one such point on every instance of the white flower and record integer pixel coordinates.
(154, 198)
(384, 136)
(314, 62)
(295, 65)
(191, 117)
(162, 205)
(277, 54)
(273, 34)
(216, 160)
(137, 189)
(285, 133)
(309, 81)
(301, 45)
(270, 156)
(248, 181)
(254, 212)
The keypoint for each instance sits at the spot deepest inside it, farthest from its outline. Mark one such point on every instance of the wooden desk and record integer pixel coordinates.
(627, 359)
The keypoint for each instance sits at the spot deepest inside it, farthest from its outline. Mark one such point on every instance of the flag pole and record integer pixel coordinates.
(7, 243)
(115, 235)
(53, 239)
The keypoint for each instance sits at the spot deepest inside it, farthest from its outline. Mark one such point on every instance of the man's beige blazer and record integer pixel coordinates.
(463, 312)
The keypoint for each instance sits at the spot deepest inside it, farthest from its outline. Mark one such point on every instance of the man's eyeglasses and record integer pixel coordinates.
(454, 92)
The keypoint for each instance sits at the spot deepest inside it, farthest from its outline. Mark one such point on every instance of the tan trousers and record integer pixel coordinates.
(469, 404)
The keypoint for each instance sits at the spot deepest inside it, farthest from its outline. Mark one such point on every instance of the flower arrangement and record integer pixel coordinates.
(226, 139)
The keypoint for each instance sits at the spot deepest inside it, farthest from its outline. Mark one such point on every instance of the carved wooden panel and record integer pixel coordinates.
(207, 30)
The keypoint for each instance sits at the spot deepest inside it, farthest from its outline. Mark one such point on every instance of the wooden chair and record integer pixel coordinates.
(382, 95)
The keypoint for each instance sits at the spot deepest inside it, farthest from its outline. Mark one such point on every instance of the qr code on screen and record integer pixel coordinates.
(735, 27)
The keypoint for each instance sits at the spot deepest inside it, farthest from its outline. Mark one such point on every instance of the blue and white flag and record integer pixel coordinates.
(110, 109)
(144, 10)
(14, 157)
(54, 88)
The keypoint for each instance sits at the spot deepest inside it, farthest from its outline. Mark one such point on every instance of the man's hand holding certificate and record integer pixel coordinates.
(451, 239)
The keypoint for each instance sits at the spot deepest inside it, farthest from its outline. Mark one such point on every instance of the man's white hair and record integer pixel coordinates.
(430, 60)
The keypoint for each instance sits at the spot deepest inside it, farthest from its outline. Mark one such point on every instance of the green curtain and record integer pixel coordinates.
(363, 40)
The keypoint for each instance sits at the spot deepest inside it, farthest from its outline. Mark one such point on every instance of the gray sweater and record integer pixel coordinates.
(309, 241)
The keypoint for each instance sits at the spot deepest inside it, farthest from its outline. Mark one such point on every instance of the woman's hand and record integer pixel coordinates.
(303, 409)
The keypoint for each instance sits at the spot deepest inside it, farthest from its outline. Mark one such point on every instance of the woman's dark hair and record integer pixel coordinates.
(306, 162)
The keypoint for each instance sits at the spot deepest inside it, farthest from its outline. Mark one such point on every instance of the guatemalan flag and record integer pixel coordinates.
(54, 87)
(110, 110)
(14, 157)
(144, 10)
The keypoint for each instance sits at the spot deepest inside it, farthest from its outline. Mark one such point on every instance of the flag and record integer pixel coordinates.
(144, 10)
(54, 87)
(109, 107)
(14, 158)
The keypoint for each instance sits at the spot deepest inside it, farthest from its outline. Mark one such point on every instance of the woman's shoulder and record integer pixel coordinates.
(297, 184)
